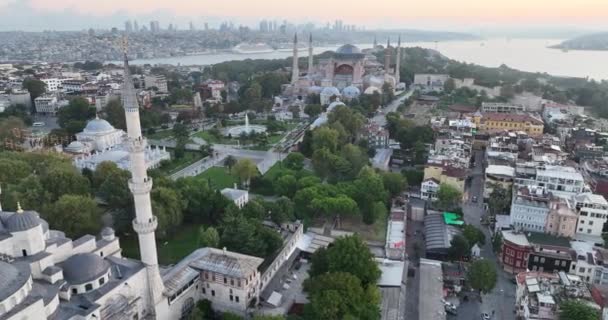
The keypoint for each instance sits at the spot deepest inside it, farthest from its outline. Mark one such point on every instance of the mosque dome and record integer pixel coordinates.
(372, 90)
(13, 276)
(348, 49)
(84, 267)
(76, 147)
(22, 220)
(98, 126)
(330, 91)
(334, 104)
(351, 92)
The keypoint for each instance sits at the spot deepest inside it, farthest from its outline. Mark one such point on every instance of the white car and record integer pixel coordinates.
(38, 124)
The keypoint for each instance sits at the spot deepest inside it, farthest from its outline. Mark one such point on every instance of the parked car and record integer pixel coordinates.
(474, 199)
(485, 316)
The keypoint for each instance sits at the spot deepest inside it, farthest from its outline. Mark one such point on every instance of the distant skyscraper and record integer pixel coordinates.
(206, 26)
(154, 26)
(170, 26)
(128, 26)
(191, 26)
(135, 26)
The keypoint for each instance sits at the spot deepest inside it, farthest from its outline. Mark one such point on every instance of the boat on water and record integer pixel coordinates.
(248, 48)
(289, 47)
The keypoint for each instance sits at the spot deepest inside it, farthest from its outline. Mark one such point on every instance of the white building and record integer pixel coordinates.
(502, 107)
(585, 263)
(52, 84)
(593, 213)
(157, 81)
(561, 181)
(48, 104)
(430, 82)
(529, 209)
(429, 188)
(239, 197)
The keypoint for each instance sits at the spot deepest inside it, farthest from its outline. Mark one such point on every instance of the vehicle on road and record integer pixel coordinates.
(38, 124)
(474, 199)
(485, 316)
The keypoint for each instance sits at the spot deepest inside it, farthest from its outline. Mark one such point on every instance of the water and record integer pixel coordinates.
(523, 54)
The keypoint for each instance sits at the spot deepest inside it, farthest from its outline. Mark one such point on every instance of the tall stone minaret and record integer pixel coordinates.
(387, 56)
(295, 71)
(310, 57)
(375, 43)
(145, 222)
(398, 61)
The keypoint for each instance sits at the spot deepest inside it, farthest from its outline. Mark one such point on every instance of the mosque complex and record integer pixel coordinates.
(346, 74)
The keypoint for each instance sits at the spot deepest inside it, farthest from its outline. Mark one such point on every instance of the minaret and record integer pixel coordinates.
(145, 222)
(387, 56)
(398, 61)
(375, 43)
(310, 57)
(295, 72)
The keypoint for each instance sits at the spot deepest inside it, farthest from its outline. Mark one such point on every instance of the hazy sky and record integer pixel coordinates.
(435, 14)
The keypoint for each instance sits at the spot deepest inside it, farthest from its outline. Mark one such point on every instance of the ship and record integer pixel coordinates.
(248, 48)
(289, 47)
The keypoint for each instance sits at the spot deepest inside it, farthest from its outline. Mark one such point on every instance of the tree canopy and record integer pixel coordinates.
(448, 197)
(482, 275)
(577, 310)
(75, 115)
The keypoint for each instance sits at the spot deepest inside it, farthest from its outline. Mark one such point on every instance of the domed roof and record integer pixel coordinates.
(22, 220)
(372, 90)
(107, 231)
(75, 146)
(334, 104)
(98, 126)
(12, 278)
(330, 91)
(84, 267)
(351, 92)
(348, 49)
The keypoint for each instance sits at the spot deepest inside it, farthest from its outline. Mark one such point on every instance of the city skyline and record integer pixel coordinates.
(466, 15)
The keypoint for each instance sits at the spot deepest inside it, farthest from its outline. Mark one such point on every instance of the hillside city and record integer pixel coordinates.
(389, 182)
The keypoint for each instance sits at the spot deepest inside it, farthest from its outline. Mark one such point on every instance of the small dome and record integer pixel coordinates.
(348, 49)
(351, 92)
(98, 126)
(13, 277)
(21, 221)
(107, 231)
(334, 104)
(372, 90)
(76, 147)
(84, 267)
(330, 91)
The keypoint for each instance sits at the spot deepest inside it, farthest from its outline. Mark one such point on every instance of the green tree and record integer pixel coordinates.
(347, 254)
(286, 185)
(352, 121)
(294, 161)
(115, 191)
(473, 235)
(499, 201)
(394, 183)
(75, 215)
(313, 110)
(449, 86)
(448, 197)
(35, 87)
(482, 275)
(73, 117)
(62, 180)
(325, 137)
(208, 237)
(229, 162)
(203, 204)
(268, 317)
(282, 210)
(245, 169)
(459, 248)
(368, 190)
(341, 295)
(167, 205)
(12, 170)
(114, 113)
(497, 242)
(577, 310)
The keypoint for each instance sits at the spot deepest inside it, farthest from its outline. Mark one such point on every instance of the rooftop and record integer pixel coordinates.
(547, 239)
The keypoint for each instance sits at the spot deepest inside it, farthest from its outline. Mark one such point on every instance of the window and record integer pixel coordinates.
(535, 259)
(231, 282)
(24, 252)
(236, 298)
(542, 260)
(231, 298)
(102, 281)
(581, 270)
(101, 253)
(238, 283)
(88, 287)
(557, 263)
(588, 230)
(204, 291)
(213, 293)
(225, 280)
(564, 263)
(590, 223)
(74, 291)
(582, 221)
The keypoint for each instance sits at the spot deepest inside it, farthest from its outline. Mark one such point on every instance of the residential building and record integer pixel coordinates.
(496, 122)
(48, 104)
(52, 84)
(156, 81)
(376, 135)
(429, 188)
(501, 107)
(593, 213)
(549, 253)
(561, 219)
(212, 89)
(585, 263)
(444, 173)
(562, 181)
(514, 251)
(73, 86)
(529, 208)
(430, 82)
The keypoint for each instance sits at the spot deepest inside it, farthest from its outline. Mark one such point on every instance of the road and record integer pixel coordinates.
(502, 298)
(380, 118)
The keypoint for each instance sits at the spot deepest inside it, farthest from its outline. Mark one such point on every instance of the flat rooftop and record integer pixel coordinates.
(430, 305)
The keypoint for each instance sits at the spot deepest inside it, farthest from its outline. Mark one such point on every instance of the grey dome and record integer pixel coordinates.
(98, 126)
(330, 91)
(351, 92)
(84, 267)
(21, 221)
(75, 146)
(13, 277)
(348, 49)
(107, 231)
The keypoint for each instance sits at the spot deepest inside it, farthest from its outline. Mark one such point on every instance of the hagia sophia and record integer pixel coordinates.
(346, 74)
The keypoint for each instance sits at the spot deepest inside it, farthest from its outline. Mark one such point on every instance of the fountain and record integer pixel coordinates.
(247, 128)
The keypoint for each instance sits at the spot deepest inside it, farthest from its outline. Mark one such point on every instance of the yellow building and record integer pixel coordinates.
(492, 122)
(446, 174)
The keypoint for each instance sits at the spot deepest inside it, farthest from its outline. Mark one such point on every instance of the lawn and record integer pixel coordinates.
(374, 232)
(175, 165)
(219, 177)
(158, 135)
(213, 139)
(170, 251)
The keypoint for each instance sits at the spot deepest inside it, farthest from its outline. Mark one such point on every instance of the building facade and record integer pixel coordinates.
(529, 209)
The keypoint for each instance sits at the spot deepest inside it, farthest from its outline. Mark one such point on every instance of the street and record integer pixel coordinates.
(502, 299)
(380, 118)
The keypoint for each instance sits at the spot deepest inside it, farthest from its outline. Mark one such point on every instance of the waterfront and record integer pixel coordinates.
(523, 54)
